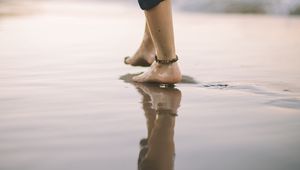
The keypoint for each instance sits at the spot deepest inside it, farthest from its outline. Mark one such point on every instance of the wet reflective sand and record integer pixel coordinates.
(67, 102)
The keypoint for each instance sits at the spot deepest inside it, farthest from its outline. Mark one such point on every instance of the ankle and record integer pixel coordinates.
(166, 61)
(147, 47)
(166, 54)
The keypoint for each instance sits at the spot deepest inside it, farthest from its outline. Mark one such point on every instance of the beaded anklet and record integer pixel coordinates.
(166, 62)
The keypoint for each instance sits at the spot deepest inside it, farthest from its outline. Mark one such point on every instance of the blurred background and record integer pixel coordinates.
(273, 7)
(283, 7)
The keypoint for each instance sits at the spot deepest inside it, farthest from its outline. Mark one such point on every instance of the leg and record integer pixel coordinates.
(160, 24)
(144, 56)
(161, 28)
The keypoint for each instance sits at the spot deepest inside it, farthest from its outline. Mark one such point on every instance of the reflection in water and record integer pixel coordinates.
(160, 105)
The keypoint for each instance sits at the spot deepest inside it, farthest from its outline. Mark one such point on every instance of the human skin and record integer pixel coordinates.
(144, 56)
(160, 26)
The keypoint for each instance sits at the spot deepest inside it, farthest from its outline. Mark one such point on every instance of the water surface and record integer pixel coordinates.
(66, 100)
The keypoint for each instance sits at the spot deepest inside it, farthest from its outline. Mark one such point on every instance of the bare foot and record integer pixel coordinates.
(160, 73)
(143, 57)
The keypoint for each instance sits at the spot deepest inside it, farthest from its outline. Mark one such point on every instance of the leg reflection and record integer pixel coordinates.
(160, 106)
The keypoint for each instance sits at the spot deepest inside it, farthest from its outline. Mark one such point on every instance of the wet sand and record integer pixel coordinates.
(67, 101)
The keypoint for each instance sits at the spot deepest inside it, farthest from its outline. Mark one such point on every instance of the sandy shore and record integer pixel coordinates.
(66, 101)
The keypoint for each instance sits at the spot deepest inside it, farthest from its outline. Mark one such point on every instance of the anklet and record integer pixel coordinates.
(166, 62)
(166, 112)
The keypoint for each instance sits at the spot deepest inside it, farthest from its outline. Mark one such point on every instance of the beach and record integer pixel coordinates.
(67, 100)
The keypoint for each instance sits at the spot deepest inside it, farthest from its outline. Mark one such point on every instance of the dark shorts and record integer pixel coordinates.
(148, 4)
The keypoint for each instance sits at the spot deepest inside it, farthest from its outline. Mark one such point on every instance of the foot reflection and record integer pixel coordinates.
(160, 105)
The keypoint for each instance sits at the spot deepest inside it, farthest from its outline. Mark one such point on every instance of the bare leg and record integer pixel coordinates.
(160, 24)
(144, 56)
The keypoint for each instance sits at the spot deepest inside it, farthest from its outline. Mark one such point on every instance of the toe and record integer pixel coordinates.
(125, 60)
(138, 78)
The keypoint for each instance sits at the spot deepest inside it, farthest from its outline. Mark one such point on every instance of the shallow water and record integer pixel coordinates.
(66, 100)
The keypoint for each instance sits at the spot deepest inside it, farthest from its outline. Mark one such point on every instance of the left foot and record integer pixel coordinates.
(160, 73)
(144, 56)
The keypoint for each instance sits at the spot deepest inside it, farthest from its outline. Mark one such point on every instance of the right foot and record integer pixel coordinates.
(143, 57)
(160, 73)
